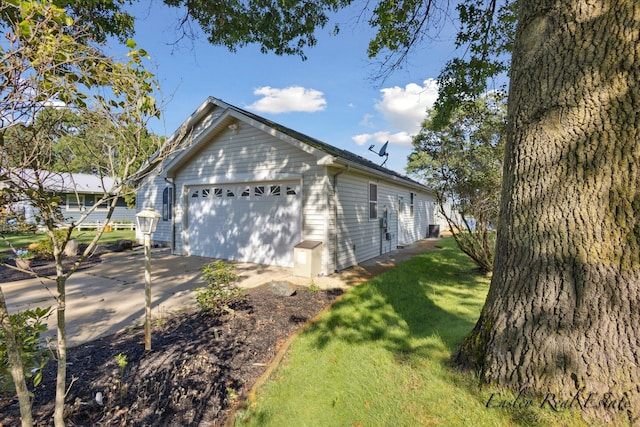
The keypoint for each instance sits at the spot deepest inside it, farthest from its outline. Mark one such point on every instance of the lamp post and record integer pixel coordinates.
(147, 221)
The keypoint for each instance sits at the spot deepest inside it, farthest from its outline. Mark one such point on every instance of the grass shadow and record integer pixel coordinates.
(409, 303)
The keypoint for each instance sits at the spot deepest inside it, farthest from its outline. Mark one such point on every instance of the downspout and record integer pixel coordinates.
(335, 217)
(172, 183)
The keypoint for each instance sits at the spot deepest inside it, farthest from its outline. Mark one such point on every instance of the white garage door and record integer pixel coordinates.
(254, 222)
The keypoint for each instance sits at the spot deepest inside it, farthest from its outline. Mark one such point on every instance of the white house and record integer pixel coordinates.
(78, 192)
(241, 187)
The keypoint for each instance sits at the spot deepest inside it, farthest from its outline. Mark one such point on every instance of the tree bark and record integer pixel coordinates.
(15, 363)
(61, 376)
(563, 311)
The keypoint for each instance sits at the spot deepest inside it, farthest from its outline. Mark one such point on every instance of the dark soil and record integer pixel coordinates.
(200, 365)
(43, 268)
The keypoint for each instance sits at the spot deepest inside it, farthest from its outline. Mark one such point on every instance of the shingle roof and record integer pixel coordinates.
(61, 182)
(337, 153)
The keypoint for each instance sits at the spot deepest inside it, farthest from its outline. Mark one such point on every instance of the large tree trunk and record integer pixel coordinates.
(563, 311)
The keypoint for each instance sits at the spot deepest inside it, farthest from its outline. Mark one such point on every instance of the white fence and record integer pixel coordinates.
(98, 225)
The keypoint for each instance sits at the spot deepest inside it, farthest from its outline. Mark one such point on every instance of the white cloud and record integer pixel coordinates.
(290, 99)
(399, 138)
(403, 109)
(366, 121)
(406, 108)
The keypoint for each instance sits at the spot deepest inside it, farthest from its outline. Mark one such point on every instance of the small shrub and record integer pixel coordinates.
(29, 325)
(221, 291)
(313, 288)
(121, 360)
(45, 245)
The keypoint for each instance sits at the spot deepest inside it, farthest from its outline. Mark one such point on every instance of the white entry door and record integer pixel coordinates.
(253, 222)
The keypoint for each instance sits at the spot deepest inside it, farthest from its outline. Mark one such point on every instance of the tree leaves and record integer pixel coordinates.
(462, 163)
(285, 27)
(487, 31)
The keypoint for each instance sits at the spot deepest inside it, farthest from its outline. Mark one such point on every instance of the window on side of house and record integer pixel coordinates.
(75, 202)
(373, 201)
(103, 206)
(167, 202)
(411, 203)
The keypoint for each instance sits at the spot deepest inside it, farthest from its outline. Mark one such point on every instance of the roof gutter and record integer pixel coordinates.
(339, 162)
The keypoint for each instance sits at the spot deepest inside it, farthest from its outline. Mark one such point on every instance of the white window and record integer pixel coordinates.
(167, 203)
(217, 192)
(373, 201)
(274, 190)
(411, 203)
(104, 206)
(75, 203)
(258, 190)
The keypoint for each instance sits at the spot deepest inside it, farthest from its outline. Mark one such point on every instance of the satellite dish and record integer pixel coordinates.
(383, 150)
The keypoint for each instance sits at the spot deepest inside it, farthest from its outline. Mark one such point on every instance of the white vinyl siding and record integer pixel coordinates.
(359, 238)
(149, 195)
(251, 155)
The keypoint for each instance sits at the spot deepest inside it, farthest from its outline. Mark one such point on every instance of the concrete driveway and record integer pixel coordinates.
(109, 297)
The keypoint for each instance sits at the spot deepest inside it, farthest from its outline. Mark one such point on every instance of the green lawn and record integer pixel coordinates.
(382, 357)
(20, 241)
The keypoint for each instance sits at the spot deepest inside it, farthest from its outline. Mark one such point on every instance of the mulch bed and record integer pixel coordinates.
(44, 268)
(199, 367)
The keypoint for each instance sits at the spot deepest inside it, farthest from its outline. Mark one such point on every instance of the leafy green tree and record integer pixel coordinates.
(561, 314)
(50, 59)
(462, 162)
(100, 18)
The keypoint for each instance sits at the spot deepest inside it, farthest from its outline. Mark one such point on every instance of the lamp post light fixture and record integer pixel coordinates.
(147, 221)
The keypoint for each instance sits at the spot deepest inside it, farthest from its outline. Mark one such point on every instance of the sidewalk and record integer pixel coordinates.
(109, 297)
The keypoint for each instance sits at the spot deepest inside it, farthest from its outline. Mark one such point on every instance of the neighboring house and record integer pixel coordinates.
(78, 191)
(241, 187)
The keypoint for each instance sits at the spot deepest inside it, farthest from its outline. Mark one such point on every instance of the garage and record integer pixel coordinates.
(253, 221)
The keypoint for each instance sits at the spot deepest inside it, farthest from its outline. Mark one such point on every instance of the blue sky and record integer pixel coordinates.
(330, 96)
